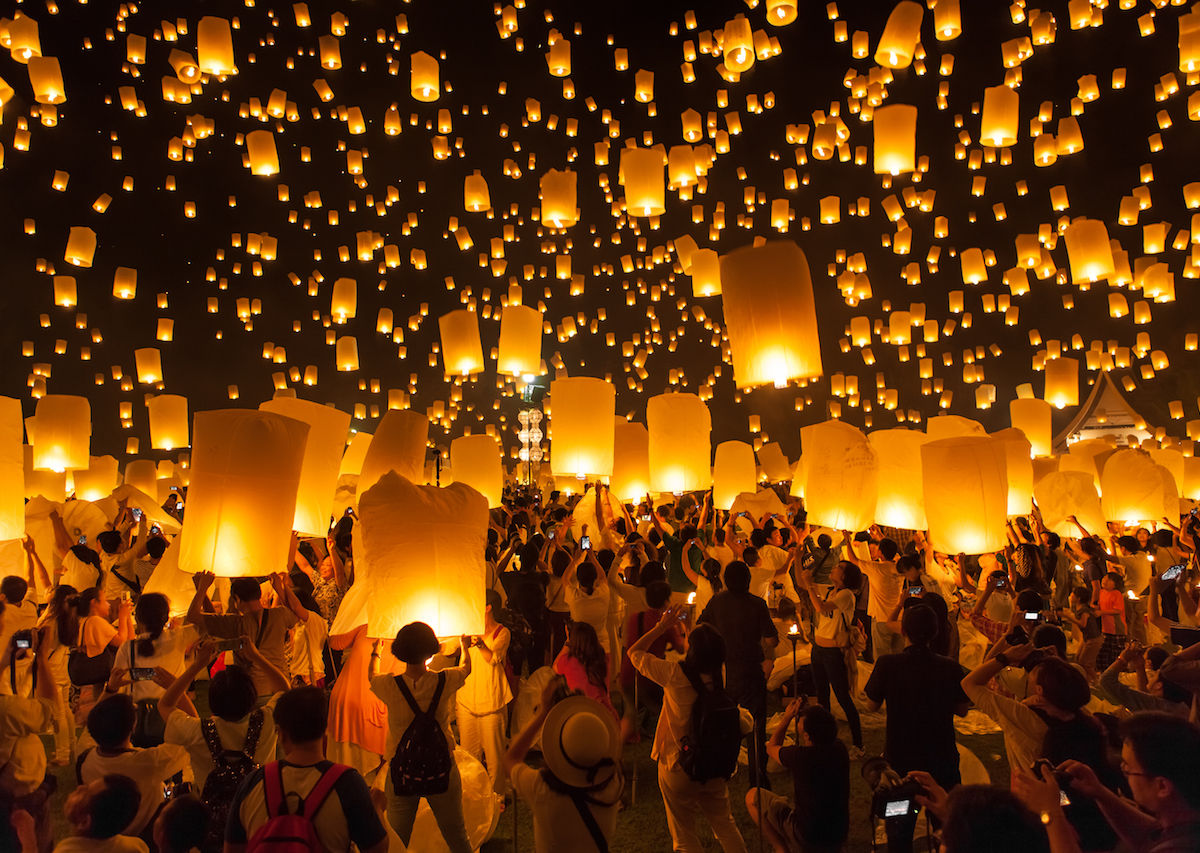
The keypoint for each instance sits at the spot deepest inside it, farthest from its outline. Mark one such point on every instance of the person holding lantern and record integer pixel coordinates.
(484, 697)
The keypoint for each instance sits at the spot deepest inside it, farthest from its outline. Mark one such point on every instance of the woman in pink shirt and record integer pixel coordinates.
(583, 663)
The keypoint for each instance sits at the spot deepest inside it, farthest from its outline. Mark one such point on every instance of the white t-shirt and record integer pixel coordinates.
(308, 645)
(723, 554)
(21, 618)
(833, 626)
(557, 824)
(591, 608)
(148, 768)
(169, 651)
(116, 844)
(76, 573)
(186, 731)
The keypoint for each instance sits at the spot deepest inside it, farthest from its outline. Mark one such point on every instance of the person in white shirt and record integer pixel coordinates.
(159, 644)
(485, 695)
(20, 614)
(308, 637)
(587, 593)
(98, 812)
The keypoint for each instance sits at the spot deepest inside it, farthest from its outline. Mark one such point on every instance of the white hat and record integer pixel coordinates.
(581, 742)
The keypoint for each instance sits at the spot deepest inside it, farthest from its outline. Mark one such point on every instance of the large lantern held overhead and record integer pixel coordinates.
(12, 470)
(1062, 382)
(733, 473)
(398, 445)
(581, 427)
(841, 474)
(475, 461)
(630, 480)
(62, 434)
(770, 314)
(966, 494)
(1032, 417)
(680, 446)
(1061, 494)
(245, 474)
(327, 428)
(1018, 469)
(899, 502)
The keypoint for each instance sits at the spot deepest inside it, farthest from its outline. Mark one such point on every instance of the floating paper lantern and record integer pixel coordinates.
(168, 421)
(398, 445)
(65, 291)
(1061, 494)
(1032, 417)
(260, 148)
(1018, 469)
(775, 466)
(841, 476)
(343, 303)
(899, 502)
(214, 46)
(462, 351)
(244, 478)
(426, 77)
(327, 428)
(706, 272)
(966, 494)
(770, 315)
(125, 283)
(1088, 250)
(900, 35)
(45, 78)
(642, 177)
(1001, 116)
(733, 473)
(559, 198)
(781, 12)
(680, 448)
(97, 481)
(23, 38)
(1062, 382)
(421, 549)
(475, 192)
(738, 44)
(142, 475)
(476, 462)
(346, 353)
(895, 139)
(148, 361)
(1132, 489)
(581, 418)
(630, 480)
(520, 349)
(12, 470)
(62, 434)
(947, 20)
(81, 246)
(558, 58)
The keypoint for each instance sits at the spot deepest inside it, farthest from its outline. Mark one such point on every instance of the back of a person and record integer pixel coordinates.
(400, 715)
(148, 768)
(921, 692)
(331, 823)
(821, 780)
(557, 825)
(168, 652)
(738, 617)
(232, 735)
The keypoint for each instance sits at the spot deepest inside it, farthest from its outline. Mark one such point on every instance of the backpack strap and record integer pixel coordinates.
(208, 729)
(273, 788)
(589, 820)
(262, 627)
(134, 584)
(79, 764)
(253, 731)
(412, 701)
(311, 804)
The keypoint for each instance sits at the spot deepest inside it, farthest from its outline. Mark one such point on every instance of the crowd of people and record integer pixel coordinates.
(261, 711)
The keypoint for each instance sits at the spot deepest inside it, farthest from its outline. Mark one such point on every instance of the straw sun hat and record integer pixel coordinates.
(581, 742)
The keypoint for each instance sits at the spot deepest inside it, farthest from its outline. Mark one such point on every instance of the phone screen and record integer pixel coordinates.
(137, 514)
(230, 645)
(22, 643)
(1173, 572)
(155, 530)
(916, 590)
(141, 673)
(83, 539)
(1032, 617)
(585, 543)
(550, 535)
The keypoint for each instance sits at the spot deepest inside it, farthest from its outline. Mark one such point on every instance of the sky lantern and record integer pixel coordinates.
(734, 472)
(770, 314)
(680, 447)
(214, 46)
(1061, 494)
(900, 35)
(343, 302)
(1001, 116)
(706, 272)
(966, 494)
(244, 478)
(642, 177)
(425, 77)
(841, 472)
(1018, 469)
(168, 421)
(327, 429)
(581, 434)
(738, 44)
(81, 246)
(630, 480)
(475, 461)
(476, 197)
(780, 13)
(421, 550)
(12, 470)
(558, 58)
(899, 500)
(23, 38)
(142, 475)
(1089, 250)
(398, 445)
(947, 20)
(148, 361)
(895, 139)
(520, 349)
(46, 80)
(462, 351)
(65, 291)
(1132, 488)
(260, 147)
(559, 198)
(1062, 382)
(1032, 417)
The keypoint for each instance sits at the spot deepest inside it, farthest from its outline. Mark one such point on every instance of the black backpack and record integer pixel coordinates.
(230, 767)
(711, 747)
(422, 763)
(1082, 739)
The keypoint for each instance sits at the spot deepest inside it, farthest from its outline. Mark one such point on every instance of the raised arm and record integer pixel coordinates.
(62, 539)
(686, 563)
(287, 597)
(277, 682)
(36, 569)
(195, 612)
(176, 691)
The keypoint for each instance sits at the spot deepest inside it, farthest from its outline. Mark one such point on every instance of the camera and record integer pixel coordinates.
(23, 639)
(1001, 578)
(891, 796)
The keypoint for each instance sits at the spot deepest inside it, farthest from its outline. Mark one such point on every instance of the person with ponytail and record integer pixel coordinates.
(57, 623)
(95, 635)
(160, 643)
(584, 664)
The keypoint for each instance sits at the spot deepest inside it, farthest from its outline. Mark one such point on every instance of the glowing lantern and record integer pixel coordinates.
(841, 476)
(476, 462)
(642, 177)
(148, 361)
(245, 475)
(1018, 469)
(475, 193)
(966, 494)
(520, 349)
(738, 44)
(462, 351)
(346, 353)
(12, 470)
(327, 429)
(23, 38)
(733, 473)
(1088, 250)
(1001, 117)
(1032, 417)
(125, 283)
(45, 78)
(1062, 382)
(899, 40)
(899, 502)
(214, 46)
(426, 77)
(168, 421)
(558, 58)
(581, 418)
(775, 466)
(421, 550)
(947, 20)
(260, 147)
(81, 246)
(706, 272)
(895, 139)
(142, 475)
(343, 303)
(1132, 488)
(770, 315)
(630, 480)
(559, 198)
(65, 291)
(781, 12)
(398, 445)
(97, 481)
(680, 449)
(1061, 494)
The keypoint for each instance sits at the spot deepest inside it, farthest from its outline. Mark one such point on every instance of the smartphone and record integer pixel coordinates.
(155, 530)
(141, 673)
(233, 645)
(82, 539)
(1032, 616)
(1173, 572)
(646, 517)
(22, 642)
(550, 534)
(585, 542)
(916, 590)
(136, 513)
(168, 790)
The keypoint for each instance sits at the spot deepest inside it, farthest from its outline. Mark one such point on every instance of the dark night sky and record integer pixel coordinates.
(146, 228)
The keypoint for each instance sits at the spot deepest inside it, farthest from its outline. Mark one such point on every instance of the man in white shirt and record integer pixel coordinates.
(20, 614)
(885, 586)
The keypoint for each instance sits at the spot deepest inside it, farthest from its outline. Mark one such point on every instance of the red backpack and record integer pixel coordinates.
(292, 833)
